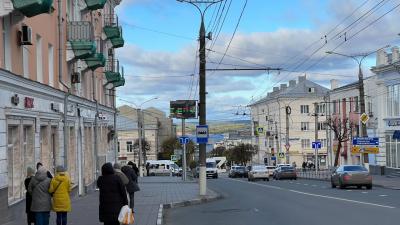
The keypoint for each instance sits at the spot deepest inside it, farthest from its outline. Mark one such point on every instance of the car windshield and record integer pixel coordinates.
(258, 167)
(354, 168)
(210, 164)
(287, 168)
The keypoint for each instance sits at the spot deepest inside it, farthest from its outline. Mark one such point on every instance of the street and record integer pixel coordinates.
(290, 202)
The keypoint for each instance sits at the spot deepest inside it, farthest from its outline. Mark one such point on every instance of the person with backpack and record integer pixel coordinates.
(60, 188)
(41, 198)
(132, 186)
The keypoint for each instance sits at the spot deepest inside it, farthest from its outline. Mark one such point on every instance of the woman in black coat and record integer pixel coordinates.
(132, 186)
(112, 195)
(29, 214)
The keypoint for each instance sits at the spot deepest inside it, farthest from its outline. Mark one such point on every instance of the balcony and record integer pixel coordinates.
(32, 8)
(95, 4)
(117, 42)
(120, 83)
(81, 39)
(112, 71)
(111, 28)
(95, 61)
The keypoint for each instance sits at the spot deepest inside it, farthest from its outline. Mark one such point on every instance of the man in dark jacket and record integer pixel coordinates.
(132, 186)
(112, 195)
(134, 167)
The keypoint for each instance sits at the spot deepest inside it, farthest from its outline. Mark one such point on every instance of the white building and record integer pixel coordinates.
(269, 113)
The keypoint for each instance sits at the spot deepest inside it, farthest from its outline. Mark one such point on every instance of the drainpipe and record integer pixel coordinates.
(96, 144)
(60, 79)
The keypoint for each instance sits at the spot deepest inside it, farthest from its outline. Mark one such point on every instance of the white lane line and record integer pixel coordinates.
(364, 192)
(349, 190)
(297, 183)
(305, 184)
(314, 185)
(315, 195)
(256, 210)
(382, 195)
(342, 199)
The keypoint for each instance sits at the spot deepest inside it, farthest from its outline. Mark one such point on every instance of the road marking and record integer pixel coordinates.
(256, 210)
(342, 199)
(305, 184)
(364, 192)
(382, 195)
(297, 183)
(349, 190)
(314, 185)
(315, 195)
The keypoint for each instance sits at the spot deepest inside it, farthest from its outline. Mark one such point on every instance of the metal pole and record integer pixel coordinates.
(96, 144)
(288, 111)
(184, 152)
(362, 106)
(140, 141)
(115, 136)
(278, 149)
(316, 135)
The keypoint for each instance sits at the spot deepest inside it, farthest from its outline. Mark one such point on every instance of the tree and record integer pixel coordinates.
(145, 147)
(342, 134)
(168, 146)
(241, 153)
(218, 151)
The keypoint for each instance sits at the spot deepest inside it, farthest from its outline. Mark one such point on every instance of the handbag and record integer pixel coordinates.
(126, 215)
(56, 189)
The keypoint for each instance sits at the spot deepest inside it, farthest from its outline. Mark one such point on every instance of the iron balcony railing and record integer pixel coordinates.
(112, 66)
(80, 31)
(111, 20)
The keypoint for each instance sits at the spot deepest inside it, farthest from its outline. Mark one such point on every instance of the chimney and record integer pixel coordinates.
(381, 58)
(275, 89)
(292, 83)
(283, 86)
(395, 54)
(334, 84)
(302, 78)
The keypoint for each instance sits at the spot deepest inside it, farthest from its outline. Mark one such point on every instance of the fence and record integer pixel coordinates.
(316, 175)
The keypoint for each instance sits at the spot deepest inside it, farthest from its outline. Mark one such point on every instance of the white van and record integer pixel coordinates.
(162, 168)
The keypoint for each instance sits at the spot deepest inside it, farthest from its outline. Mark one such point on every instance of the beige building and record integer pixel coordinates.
(57, 73)
(270, 118)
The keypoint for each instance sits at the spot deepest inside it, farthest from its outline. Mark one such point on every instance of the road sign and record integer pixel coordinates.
(287, 146)
(366, 141)
(174, 158)
(355, 150)
(202, 134)
(281, 155)
(316, 144)
(364, 118)
(371, 150)
(260, 130)
(273, 158)
(184, 140)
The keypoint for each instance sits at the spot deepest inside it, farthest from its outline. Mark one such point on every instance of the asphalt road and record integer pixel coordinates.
(301, 202)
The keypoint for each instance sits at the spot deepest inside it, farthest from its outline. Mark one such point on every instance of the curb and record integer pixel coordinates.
(376, 185)
(197, 201)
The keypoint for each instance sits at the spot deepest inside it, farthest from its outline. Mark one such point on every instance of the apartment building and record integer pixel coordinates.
(58, 76)
(290, 106)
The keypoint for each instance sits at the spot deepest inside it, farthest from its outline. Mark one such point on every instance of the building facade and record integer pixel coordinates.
(57, 81)
(290, 106)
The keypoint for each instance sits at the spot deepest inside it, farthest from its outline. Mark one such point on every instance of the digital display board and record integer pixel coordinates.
(183, 109)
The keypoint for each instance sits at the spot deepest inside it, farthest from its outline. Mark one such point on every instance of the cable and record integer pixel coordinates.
(222, 24)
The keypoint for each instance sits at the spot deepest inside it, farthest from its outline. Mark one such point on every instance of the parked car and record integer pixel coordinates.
(286, 172)
(277, 167)
(270, 170)
(258, 172)
(351, 175)
(237, 171)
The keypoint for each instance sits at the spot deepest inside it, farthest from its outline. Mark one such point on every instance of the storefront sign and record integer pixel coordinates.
(29, 102)
(371, 150)
(393, 123)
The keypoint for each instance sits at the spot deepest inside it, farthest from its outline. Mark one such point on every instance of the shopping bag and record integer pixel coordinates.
(126, 215)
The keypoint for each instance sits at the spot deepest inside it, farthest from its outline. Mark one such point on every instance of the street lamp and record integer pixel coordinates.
(359, 58)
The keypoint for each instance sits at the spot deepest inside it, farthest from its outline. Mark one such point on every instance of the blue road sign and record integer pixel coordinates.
(316, 144)
(366, 141)
(184, 140)
(273, 157)
(202, 134)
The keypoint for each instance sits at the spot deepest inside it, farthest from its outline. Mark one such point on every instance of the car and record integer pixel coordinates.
(351, 175)
(237, 171)
(286, 172)
(211, 168)
(258, 172)
(277, 167)
(270, 170)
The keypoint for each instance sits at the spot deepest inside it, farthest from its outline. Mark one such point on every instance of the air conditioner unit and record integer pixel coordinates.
(26, 35)
(75, 78)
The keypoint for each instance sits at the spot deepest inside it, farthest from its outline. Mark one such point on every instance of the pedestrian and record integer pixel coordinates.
(294, 165)
(30, 216)
(118, 172)
(60, 188)
(132, 186)
(112, 195)
(49, 175)
(41, 198)
(134, 167)
(148, 169)
(304, 166)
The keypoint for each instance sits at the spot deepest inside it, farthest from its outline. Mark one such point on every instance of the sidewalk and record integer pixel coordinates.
(377, 180)
(154, 191)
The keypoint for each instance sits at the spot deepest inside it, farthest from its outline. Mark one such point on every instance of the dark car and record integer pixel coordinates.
(351, 175)
(286, 172)
(238, 171)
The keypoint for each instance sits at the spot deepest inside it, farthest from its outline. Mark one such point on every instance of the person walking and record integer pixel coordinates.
(60, 187)
(30, 216)
(134, 167)
(41, 198)
(118, 172)
(132, 186)
(112, 195)
(38, 165)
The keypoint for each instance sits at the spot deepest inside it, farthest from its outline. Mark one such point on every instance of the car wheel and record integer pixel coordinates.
(369, 186)
(359, 186)
(333, 185)
(248, 179)
(267, 179)
(341, 186)
(264, 179)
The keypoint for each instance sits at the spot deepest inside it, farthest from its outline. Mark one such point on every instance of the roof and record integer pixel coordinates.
(300, 90)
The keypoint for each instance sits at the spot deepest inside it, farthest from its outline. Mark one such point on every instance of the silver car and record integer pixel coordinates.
(351, 175)
(258, 172)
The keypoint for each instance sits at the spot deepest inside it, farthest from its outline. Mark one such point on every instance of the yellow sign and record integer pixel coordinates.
(371, 150)
(260, 130)
(364, 118)
(355, 150)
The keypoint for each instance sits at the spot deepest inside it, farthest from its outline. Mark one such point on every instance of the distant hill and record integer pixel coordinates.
(216, 127)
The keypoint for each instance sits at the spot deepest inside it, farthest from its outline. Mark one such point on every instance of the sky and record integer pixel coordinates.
(160, 56)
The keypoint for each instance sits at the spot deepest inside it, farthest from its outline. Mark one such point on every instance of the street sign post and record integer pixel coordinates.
(316, 145)
(281, 155)
(184, 140)
(364, 118)
(260, 130)
(202, 134)
(273, 158)
(366, 141)
(174, 158)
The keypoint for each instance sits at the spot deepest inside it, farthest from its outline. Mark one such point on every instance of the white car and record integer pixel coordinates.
(270, 170)
(258, 172)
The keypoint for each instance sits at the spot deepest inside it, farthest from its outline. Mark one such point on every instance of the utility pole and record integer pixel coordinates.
(287, 146)
(140, 125)
(184, 152)
(202, 86)
(278, 149)
(316, 134)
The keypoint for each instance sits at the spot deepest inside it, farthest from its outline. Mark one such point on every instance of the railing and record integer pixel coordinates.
(112, 66)
(80, 31)
(111, 20)
(312, 174)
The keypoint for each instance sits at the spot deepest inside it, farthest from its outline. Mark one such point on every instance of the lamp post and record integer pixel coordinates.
(202, 86)
(359, 58)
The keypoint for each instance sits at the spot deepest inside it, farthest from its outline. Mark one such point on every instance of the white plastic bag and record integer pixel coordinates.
(126, 215)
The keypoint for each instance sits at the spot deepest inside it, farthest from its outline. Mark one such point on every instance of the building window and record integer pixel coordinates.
(119, 148)
(321, 126)
(304, 109)
(356, 105)
(323, 142)
(311, 90)
(39, 61)
(334, 102)
(305, 126)
(321, 108)
(7, 43)
(392, 152)
(305, 143)
(25, 61)
(129, 146)
(393, 101)
(51, 65)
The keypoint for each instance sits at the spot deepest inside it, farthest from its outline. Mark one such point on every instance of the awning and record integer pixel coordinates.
(396, 134)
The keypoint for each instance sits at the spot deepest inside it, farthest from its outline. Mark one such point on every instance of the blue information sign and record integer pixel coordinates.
(366, 141)
(202, 134)
(316, 144)
(273, 157)
(184, 140)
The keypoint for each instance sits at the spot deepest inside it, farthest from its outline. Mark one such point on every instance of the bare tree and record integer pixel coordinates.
(342, 132)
